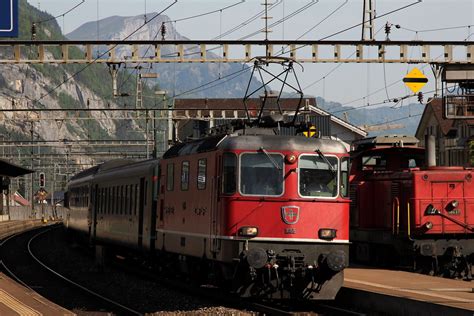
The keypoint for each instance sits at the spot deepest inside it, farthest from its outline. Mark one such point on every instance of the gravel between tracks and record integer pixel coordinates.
(148, 297)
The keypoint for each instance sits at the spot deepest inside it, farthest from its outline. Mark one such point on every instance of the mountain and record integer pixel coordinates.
(61, 86)
(175, 78)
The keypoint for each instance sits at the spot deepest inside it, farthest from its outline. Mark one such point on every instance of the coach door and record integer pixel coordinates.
(141, 206)
(92, 209)
(214, 198)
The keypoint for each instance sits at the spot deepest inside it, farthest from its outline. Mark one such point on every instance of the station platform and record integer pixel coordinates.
(405, 293)
(18, 300)
(8, 228)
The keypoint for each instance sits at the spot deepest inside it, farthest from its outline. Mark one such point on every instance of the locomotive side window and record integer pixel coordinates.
(345, 177)
(261, 174)
(170, 177)
(316, 177)
(201, 178)
(185, 176)
(229, 173)
(374, 162)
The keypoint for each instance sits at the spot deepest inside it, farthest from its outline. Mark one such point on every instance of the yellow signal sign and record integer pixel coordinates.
(311, 132)
(415, 80)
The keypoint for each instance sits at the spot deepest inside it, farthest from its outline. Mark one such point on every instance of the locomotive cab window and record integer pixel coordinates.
(345, 177)
(229, 173)
(261, 174)
(374, 162)
(317, 178)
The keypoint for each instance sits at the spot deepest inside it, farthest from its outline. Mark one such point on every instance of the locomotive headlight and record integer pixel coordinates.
(327, 233)
(429, 225)
(454, 204)
(290, 158)
(248, 231)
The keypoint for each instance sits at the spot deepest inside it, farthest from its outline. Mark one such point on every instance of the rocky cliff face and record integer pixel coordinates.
(23, 87)
(175, 78)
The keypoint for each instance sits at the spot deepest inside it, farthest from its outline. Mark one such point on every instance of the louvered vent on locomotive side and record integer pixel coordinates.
(395, 190)
(354, 214)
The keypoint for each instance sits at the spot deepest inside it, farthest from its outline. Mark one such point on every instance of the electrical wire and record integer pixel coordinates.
(316, 25)
(324, 19)
(206, 13)
(200, 87)
(103, 54)
(61, 15)
(179, 20)
(248, 21)
(296, 12)
(437, 29)
(356, 25)
(285, 18)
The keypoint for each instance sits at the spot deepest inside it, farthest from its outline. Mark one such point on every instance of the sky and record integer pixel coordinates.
(349, 84)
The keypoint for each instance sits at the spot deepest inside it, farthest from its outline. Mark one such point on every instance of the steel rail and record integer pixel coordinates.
(132, 311)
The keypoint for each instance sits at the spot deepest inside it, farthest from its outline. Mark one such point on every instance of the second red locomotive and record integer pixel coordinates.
(406, 213)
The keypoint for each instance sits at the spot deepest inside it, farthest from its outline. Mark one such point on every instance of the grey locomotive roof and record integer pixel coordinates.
(279, 142)
(255, 142)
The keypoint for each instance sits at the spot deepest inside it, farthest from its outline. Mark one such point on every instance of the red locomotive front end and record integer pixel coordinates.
(276, 217)
(404, 213)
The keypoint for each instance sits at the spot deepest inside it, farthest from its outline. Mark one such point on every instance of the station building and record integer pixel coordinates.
(454, 137)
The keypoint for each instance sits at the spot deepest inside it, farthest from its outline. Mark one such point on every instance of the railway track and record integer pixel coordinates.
(28, 269)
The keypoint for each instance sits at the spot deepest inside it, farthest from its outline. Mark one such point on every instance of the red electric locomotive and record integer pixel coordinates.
(267, 213)
(405, 213)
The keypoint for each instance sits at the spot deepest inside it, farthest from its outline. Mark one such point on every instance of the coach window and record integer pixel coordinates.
(201, 178)
(137, 199)
(261, 174)
(129, 202)
(170, 177)
(185, 176)
(122, 200)
(229, 178)
(318, 176)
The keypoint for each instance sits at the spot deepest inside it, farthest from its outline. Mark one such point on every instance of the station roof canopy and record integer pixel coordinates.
(8, 169)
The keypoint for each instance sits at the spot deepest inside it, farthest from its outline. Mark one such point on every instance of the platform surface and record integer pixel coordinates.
(18, 300)
(436, 290)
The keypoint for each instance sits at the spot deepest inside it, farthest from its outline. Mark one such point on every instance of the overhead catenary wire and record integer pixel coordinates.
(339, 32)
(204, 86)
(103, 54)
(60, 15)
(437, 29)
(179, 20)
(354, 26)
(206, 13)
(317, 24)
(283, 19)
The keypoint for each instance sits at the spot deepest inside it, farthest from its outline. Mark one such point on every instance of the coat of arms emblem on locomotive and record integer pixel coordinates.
(290, 214)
